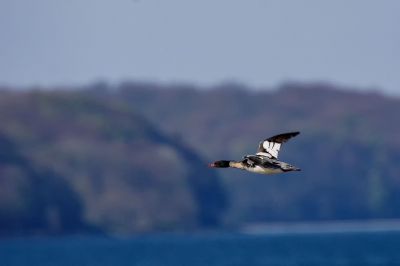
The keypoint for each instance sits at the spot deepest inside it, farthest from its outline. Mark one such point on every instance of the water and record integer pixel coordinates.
(363, 249)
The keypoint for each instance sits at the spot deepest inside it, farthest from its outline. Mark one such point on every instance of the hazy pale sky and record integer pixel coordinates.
(257, 42)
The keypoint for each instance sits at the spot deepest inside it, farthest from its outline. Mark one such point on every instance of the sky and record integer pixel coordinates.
(262, 43)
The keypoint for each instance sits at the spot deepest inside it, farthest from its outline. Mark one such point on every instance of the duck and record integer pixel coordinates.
(265, 161)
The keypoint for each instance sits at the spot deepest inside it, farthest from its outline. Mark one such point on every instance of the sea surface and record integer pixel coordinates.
(324, 249)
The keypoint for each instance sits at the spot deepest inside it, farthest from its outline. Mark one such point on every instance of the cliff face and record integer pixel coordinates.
(123, 173)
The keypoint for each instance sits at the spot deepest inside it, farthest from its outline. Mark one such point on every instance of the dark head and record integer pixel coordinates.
(219, 164)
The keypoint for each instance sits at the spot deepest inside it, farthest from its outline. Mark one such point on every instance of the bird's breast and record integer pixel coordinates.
(262, 170)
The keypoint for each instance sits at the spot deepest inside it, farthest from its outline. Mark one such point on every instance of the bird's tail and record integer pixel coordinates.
(288, 168)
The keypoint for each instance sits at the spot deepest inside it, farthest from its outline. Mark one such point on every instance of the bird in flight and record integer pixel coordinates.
(265, 161)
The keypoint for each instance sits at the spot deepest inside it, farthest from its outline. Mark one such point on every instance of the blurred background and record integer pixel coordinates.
(111, 110)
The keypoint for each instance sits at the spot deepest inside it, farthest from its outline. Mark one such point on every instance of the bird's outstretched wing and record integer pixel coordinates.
(271, 146)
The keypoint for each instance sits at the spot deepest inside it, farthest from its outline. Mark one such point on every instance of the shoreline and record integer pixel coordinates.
(320, 227)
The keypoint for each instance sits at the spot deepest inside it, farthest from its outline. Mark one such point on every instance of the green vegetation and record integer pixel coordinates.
(35, 201)
(112, 169)
(133, 158)
(348, 148)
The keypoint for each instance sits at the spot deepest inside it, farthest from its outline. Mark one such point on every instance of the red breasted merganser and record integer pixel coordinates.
(265, 161)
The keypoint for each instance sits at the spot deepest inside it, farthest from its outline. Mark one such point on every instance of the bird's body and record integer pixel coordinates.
(265, 161)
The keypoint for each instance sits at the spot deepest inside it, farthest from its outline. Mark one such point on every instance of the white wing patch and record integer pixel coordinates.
(271, 149)
(271, 146)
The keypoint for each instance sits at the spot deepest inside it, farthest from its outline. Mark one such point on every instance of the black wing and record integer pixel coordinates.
(271, 146)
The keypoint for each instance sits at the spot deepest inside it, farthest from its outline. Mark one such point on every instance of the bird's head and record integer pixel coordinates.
(219, 164)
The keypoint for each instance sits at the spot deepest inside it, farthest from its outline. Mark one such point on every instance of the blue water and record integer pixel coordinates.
(361, 249)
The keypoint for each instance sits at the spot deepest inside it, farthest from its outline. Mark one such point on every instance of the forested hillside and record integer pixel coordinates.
(35, 200)
(73, 163)
(132, 158)
(348, 149)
